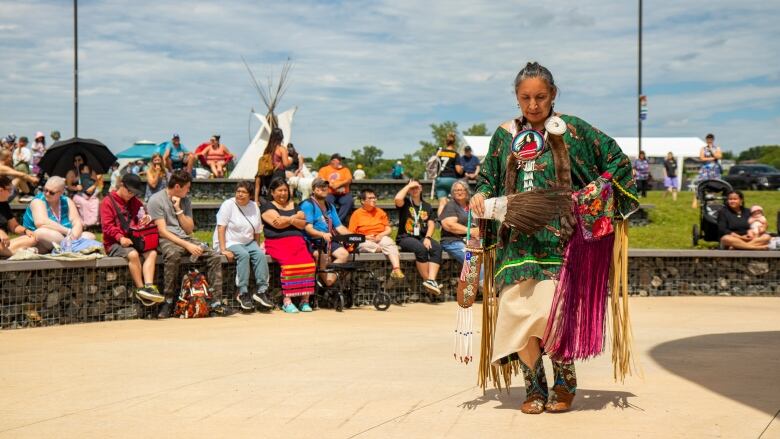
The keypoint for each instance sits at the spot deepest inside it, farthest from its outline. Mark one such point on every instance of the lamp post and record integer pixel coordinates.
(639, 84)
(75, 69)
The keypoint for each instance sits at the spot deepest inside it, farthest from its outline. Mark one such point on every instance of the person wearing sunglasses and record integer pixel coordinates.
(52, 216)
(9, 224)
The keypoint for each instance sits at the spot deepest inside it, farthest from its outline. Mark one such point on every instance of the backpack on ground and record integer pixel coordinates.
(194, 296)
(265, 166)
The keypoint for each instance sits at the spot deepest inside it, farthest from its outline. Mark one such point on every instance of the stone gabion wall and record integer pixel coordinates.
(65, 295)
(726, 276)
(53, 293)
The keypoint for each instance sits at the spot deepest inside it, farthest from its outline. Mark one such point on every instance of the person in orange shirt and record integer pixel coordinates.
(372, 222)
(338, 177)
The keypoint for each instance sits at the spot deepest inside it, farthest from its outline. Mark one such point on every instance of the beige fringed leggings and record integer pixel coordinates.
(522, 313)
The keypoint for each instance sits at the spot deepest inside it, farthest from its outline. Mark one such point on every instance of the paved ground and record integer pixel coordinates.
(711, 369)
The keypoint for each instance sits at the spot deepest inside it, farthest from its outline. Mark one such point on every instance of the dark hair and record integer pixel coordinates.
(180, 177)
(276, 138)
(5, 181)
(79, 156)
(739, 194)
(24, 139)
(245, 185)
(535, 70)
(364, 193)
(642, 153)
(276, 182)
(710, 136)
(83, 165)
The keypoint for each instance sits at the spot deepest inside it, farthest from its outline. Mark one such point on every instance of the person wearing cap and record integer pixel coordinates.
(176, 156)
(52, 216)
(126, 201)
(322, 223)
(38, 150)
(470, 163)
(398, 171)
(338, 177)
(359, 174)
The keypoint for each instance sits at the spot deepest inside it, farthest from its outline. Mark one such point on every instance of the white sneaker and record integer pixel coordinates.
(432, 287)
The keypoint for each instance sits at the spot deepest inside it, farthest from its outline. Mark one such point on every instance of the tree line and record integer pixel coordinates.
(376, 166)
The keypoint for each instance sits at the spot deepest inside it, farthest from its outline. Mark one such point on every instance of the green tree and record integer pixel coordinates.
(439, 132)
(368, 157)
(321, 160)
(728, 155)
(756, 152)
(478, 129)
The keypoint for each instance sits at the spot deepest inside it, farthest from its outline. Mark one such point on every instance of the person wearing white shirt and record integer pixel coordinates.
(359, 173)
(238, 230)
(22, 156)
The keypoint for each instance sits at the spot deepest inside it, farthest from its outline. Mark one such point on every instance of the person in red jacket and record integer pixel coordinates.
(125, 201)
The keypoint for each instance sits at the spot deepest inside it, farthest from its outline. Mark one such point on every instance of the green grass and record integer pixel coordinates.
(671, 222)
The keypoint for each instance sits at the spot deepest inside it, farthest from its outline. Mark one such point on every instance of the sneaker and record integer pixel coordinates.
(147, 294)
(165, 310)
(290, 308)
(262, 298)
(305, 307)
(245, 301)
(220, 310)
(432, 287)
(397, 273)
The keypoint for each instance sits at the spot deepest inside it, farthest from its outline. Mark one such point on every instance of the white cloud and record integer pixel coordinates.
(381, 72)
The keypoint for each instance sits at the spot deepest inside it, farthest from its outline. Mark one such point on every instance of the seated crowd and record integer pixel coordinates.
(299, 237)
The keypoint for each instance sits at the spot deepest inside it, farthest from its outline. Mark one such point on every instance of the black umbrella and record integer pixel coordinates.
(58, 159)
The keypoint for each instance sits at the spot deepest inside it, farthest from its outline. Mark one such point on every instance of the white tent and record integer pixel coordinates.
(681, 147)
(479, 145)
(246, 168)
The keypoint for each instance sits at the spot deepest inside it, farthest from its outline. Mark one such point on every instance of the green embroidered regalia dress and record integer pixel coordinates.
(527, 266)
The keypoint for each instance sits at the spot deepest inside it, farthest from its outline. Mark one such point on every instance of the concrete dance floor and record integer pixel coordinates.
(711, 369)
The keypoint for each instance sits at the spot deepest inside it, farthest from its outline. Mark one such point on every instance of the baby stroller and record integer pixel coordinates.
(711, 195)
(352, 278)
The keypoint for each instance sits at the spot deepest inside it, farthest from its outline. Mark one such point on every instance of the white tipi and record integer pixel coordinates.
(246, 168)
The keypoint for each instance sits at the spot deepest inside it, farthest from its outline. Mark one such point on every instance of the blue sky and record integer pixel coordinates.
(380, 72)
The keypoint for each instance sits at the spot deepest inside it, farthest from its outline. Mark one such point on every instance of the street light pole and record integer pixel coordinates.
(639, 84)
(75, 69)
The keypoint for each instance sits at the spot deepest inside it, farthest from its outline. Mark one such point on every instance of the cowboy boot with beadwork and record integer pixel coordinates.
(564, 388)
(535, 388)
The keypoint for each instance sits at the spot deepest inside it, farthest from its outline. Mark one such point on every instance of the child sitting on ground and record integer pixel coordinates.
(757, 222)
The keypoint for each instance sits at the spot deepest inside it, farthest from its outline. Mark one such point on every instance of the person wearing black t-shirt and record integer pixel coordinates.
(9, 224)
(449, 170)
(733, 226)
(416, 224)
(670, 177)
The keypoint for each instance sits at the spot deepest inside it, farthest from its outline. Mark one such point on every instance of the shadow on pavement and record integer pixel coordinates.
(744, 367)
(586, 399)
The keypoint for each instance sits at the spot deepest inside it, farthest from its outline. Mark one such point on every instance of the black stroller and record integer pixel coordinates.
(711, 196)
(355, 280)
